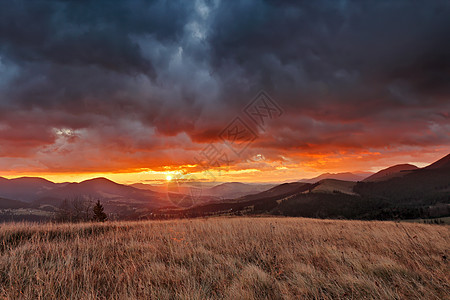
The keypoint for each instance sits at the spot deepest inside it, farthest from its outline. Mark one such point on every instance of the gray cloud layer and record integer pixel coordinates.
(106, 69)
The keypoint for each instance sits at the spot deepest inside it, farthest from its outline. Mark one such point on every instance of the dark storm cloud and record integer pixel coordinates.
(344, 71)
(87, 32)
(352, 49)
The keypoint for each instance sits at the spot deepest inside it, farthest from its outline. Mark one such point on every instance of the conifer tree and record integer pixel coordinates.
(99, 214)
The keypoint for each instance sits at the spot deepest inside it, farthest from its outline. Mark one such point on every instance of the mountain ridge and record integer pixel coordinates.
(347, 176)
(391, 172)
(423, 190)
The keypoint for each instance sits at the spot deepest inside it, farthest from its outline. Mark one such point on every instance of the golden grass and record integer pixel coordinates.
(231, 258)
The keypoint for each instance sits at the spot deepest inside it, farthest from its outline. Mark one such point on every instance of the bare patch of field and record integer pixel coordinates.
(334, 185)
(225, 258)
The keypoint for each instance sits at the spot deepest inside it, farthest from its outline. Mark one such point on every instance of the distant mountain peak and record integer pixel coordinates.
(346, 176)
(391, 172)
(32, 179)
(99, 180)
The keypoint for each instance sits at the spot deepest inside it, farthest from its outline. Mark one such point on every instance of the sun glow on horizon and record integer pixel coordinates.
(297, 168)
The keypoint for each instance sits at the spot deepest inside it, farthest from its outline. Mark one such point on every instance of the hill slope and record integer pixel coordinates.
(335, 186)
(391, 172)
(12, 204)
(231, 190)
(261, 202)
(346, 176)
(420, 186)
(443, 163)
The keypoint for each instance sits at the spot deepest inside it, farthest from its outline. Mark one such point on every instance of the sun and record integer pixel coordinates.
(168, 177)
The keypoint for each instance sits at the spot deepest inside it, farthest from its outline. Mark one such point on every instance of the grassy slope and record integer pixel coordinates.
(236, 258)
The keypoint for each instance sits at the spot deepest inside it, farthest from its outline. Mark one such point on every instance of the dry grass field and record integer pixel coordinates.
(225, 258)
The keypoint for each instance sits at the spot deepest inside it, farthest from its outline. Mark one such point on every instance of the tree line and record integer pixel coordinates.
(81, 209)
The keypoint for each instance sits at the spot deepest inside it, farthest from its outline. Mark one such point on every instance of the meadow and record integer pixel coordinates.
(225, 258)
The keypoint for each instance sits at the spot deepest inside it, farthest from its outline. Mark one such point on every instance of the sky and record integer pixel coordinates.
(271, 91)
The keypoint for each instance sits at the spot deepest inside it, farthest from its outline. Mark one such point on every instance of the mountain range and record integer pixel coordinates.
(227, 190)
(400, 191)
(348, 176)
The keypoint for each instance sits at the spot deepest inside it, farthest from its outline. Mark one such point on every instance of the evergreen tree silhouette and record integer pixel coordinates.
(99, 214)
